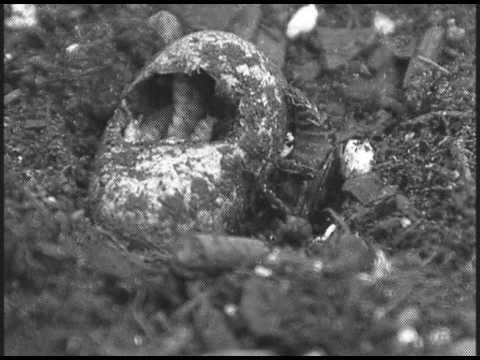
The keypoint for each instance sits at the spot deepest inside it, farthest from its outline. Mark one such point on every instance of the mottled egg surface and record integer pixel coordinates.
(149, 187)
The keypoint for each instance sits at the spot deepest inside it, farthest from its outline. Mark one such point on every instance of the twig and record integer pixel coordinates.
(139, 316)
(12, 96)
(433, 63)
(113, 239)
(441, 113)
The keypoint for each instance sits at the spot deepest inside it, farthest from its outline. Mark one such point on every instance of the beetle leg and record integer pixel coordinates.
(338, 219)
(275, 201)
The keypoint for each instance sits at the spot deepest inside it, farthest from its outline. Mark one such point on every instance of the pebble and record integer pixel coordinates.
(358, 158)
(408, 335)
(263, 271)
(317, 266)
(383, 24)
(230, 309)
(138, 340)
(405, 222)
(303, 21)
(409, 136)
(72, 51)
(71, 48)
(288, 145)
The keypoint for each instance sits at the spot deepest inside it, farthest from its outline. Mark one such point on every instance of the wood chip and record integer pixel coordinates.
(12, 96)
(35, 124)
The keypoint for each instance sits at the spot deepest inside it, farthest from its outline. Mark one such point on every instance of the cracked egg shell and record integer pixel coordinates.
(151, 192)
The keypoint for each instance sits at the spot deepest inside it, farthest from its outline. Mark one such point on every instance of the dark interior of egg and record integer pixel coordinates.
(181, 106)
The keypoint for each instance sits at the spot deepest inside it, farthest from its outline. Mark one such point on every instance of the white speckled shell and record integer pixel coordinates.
(150, 193)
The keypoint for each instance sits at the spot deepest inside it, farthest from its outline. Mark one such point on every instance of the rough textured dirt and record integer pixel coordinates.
(72, 288)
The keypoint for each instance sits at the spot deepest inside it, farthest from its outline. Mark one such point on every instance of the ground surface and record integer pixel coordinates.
(68, 291)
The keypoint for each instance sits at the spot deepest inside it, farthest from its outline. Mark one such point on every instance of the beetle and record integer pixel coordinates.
(302, 181)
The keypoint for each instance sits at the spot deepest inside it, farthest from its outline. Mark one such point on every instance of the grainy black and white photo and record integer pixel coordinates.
(239, 179)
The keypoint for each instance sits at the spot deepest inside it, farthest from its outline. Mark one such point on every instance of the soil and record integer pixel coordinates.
(71, 288)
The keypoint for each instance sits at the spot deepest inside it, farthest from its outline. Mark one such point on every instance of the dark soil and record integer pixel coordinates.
(70, 288)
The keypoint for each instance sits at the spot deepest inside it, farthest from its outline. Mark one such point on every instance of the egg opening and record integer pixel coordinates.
(180, 106)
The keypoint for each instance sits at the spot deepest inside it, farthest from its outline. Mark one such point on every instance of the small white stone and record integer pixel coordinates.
(409, 136)
(363, 276)
(287, 149)
(405, 222)
(230, 309)
(288, 145)
(383, 24)
(51, 200)
(72, 48)
(289, 137)
(8, 57)
(273, 256)
(138, 340)
(263, 271)
(358, 158)
(317, 266)
(303, 21)
(408, 335)
(330, 230)
(382, 266)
